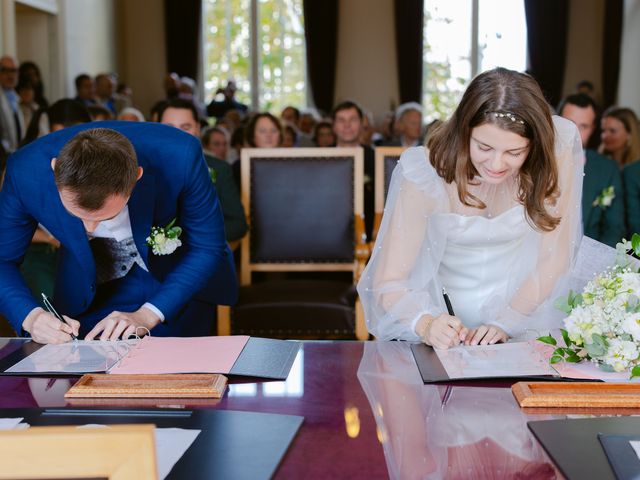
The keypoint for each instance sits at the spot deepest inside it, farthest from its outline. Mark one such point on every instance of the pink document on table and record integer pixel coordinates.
(155, 355)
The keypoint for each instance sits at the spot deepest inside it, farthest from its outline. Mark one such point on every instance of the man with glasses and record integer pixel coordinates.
(11, 120)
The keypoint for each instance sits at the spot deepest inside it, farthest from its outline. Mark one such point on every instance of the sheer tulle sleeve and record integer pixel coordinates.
(531, 307)
(394, 293)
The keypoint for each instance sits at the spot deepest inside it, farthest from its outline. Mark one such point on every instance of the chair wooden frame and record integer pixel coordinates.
(378, 186)
(361, 253)
(119, 452)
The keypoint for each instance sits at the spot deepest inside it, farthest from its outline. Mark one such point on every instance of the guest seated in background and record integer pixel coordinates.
(602, 208)
(182, 114)
(29, 72)
(408, 126)
(620, 136)
(225, 100)
(12, 125)
(27, 103)
(85, 89)
(131, 114)
(101, 192)
(491, 211)
(290, 115)
(263, 131)
(215, 142)
(99, 113)
(323, 135)
(585, 87)
(289, 136)
(347, 126)
(306, 125)
(105, 89)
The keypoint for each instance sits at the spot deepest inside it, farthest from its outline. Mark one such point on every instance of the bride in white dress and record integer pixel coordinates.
(490, 211)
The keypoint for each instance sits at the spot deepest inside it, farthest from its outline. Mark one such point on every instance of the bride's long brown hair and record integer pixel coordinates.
(502, 90)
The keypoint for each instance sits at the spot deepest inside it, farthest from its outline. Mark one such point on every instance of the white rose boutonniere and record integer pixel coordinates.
(605, 198)
(164, 240)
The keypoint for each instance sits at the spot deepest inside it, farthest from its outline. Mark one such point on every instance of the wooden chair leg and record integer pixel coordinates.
(224, 320)
(361, 328)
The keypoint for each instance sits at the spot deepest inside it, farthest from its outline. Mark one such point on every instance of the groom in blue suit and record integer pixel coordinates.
(99, 189)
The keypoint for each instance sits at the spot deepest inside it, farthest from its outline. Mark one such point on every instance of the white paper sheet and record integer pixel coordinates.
(171, 445)
(81, 356)
(517, 359)
(636, 447)
(10, 423)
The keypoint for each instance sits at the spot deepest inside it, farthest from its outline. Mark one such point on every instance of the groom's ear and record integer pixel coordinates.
(140, 172)
(53, 163)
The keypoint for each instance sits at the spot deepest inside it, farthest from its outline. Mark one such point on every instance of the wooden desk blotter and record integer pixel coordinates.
(102, 385)
(577, 394)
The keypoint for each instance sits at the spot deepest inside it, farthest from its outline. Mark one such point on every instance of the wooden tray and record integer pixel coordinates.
(102, 385)
(577, 394)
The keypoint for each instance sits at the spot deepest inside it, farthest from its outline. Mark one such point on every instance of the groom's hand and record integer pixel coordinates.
(123, 324)
(45, 328)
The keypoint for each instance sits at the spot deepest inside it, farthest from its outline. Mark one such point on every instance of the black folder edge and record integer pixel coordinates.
(240, 458)
(261, 358)
(432, 371)
(573, 444)
(622, 457)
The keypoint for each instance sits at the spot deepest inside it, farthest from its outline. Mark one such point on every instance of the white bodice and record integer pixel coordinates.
(477, 259)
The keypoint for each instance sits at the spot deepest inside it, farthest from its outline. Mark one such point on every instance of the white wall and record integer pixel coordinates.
(88, 39)
(366, 63)
(629, 85)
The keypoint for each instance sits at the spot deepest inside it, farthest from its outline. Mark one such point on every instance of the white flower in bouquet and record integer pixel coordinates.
(603, 322)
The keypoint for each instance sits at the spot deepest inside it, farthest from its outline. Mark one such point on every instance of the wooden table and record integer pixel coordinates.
(367, 415)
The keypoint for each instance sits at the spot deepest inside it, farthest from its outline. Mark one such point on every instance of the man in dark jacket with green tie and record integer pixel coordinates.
(602, 196)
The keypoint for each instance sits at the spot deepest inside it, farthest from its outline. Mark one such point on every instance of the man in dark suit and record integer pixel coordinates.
(602, 194)
(105, 193)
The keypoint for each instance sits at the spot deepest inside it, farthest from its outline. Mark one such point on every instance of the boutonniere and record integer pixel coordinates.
(605, 198)
(164, 240)
(213, 174)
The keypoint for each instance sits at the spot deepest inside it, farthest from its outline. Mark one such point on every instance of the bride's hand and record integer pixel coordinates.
(441, 332)
(486, 335)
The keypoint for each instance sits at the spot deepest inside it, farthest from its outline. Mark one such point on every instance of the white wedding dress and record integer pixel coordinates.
(495, 267)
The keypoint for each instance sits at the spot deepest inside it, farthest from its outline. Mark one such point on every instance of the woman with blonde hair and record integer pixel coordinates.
(620, 137)
(490, 211)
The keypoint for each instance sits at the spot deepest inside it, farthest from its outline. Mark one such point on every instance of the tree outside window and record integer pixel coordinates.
(279, 52)
(463, 38)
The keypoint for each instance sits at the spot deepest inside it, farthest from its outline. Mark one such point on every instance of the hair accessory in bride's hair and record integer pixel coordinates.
(503, 114)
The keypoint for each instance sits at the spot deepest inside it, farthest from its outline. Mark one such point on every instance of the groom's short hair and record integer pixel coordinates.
(96, 164)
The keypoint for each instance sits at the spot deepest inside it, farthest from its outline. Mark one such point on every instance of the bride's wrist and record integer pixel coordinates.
(423, 326)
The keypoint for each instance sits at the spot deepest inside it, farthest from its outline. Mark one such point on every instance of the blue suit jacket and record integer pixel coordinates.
(175, 184)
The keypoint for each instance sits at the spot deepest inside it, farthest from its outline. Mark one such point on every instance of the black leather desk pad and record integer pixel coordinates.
(574, 447)
(237, 445)
(622, 457)
(261, 358)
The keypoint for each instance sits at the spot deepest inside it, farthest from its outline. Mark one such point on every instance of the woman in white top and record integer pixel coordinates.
(490, 211)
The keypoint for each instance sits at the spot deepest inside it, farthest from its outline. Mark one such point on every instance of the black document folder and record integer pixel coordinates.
(261, 358)
(432, 371)
(238, 445)
(574, 447)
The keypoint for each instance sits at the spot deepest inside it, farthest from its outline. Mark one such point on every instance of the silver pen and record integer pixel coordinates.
(52, 311)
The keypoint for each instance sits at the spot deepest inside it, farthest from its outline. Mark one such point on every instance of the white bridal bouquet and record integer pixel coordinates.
(603, 323)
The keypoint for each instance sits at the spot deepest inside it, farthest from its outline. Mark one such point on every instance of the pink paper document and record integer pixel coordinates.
(155, 355)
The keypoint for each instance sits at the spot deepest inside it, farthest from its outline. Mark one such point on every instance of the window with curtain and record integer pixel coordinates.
(270, 71)
(463, 38)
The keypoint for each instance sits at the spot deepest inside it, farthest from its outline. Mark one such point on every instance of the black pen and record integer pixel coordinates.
(447, 302)
(52, 311)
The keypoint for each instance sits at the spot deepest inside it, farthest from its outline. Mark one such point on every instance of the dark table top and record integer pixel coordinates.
(366, 414)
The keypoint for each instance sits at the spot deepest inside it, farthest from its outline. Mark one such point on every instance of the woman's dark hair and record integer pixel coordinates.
(24, 75)
(65, 112)
(513, 102)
